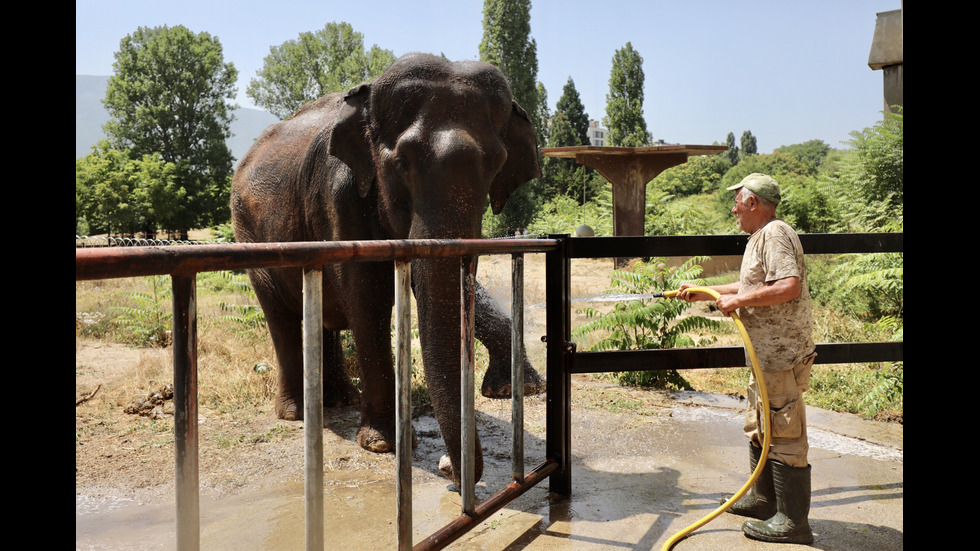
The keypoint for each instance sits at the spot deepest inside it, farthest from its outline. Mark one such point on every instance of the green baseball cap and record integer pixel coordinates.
(762, 185)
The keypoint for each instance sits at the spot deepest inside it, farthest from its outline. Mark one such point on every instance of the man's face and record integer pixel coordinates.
(743, 211)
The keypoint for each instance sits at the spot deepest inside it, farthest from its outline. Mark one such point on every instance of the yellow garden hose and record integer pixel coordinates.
(757, 371)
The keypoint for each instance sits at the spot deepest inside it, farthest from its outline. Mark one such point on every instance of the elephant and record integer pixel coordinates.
(415, 154)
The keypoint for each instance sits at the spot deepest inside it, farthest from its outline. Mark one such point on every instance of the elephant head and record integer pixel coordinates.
(430, 142)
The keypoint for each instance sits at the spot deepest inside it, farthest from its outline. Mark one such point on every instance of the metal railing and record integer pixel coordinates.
(183, 263)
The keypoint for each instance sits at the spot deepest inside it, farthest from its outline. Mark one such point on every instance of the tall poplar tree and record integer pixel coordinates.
(624, 102)
(507, 44)
(749, 146)
(732, 154)
(170, 94)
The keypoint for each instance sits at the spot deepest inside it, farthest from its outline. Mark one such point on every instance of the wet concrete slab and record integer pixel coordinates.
(637, 479)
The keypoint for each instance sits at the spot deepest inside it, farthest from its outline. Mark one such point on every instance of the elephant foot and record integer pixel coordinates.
(496, 383)
(375, 441)
(446, 468)
(289, 409)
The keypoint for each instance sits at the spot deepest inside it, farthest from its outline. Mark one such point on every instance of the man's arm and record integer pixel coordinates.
(772, 293)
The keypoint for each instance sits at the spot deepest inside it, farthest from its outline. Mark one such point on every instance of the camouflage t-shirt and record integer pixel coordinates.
(782, 335)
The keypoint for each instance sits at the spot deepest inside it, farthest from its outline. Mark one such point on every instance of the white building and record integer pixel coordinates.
(597, 134)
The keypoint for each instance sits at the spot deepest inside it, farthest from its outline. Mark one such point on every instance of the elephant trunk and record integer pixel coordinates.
(436, 285)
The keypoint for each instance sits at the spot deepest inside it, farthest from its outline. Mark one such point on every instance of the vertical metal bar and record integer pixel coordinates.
(467, 285)
(559, 436)
(313, 404)
(403, 390)
(517, 366)
(185, 411)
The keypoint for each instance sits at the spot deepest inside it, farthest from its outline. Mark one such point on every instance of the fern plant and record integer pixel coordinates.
(645, 322)
(148, 322)
(248, 316)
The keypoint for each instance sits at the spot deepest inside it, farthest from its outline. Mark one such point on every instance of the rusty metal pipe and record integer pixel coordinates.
(115, 262)
(465, 522)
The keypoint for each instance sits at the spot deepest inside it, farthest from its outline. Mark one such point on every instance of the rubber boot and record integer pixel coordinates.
(760, 501)
(789, 524)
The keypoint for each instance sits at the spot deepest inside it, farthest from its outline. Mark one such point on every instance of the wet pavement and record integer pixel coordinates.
(637, 479)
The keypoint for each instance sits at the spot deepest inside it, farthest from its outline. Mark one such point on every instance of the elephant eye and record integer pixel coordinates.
(402, 167)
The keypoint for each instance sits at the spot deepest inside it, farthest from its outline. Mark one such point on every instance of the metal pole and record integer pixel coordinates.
(559, 434)
(517, 366)
(467, 269)
(185, 411)
(313, 404)
(403, 389)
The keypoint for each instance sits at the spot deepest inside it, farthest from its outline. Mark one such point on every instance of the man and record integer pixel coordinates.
(773, 302)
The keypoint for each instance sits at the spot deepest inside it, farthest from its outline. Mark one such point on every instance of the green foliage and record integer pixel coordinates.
(648, 323)
(507, 44)
(543, 116)
(812, 153)
(247, 316)
(149, 320)
(700, 174)
(733, 154)
(570, 107)
(562, 214)
(332, 59)
(691, 215)
(749, 146)
(871, 285)
(624, 102)
(871, 184)
(117, 193)
(170, 94)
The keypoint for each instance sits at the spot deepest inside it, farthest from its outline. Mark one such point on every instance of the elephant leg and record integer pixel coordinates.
(338, 391)
(369, 314)
(287, 338)
(493, 329)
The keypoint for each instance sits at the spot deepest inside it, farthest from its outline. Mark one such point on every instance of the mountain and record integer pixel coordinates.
(90, 115)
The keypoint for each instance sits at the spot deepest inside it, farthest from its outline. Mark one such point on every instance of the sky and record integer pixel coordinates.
(789, 71)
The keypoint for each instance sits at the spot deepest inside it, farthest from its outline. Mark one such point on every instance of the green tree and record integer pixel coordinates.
(544, 115)
(812, 152)
(169, 94)
(570, 107)
(569, 127)
(332, 59)
(700, 174)
(624, 102)
(749, 147)
(116, 193)
(732, 154)
(507, 44)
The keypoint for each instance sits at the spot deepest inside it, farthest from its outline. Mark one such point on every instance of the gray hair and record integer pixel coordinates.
(746, 193)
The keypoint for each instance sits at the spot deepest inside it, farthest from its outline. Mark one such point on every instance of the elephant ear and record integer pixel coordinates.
(350, 140)
(522, 158)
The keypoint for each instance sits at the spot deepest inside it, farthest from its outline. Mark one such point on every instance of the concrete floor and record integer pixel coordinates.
(637, 480)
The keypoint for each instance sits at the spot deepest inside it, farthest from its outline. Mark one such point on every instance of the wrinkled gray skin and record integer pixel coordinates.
(413, 155)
